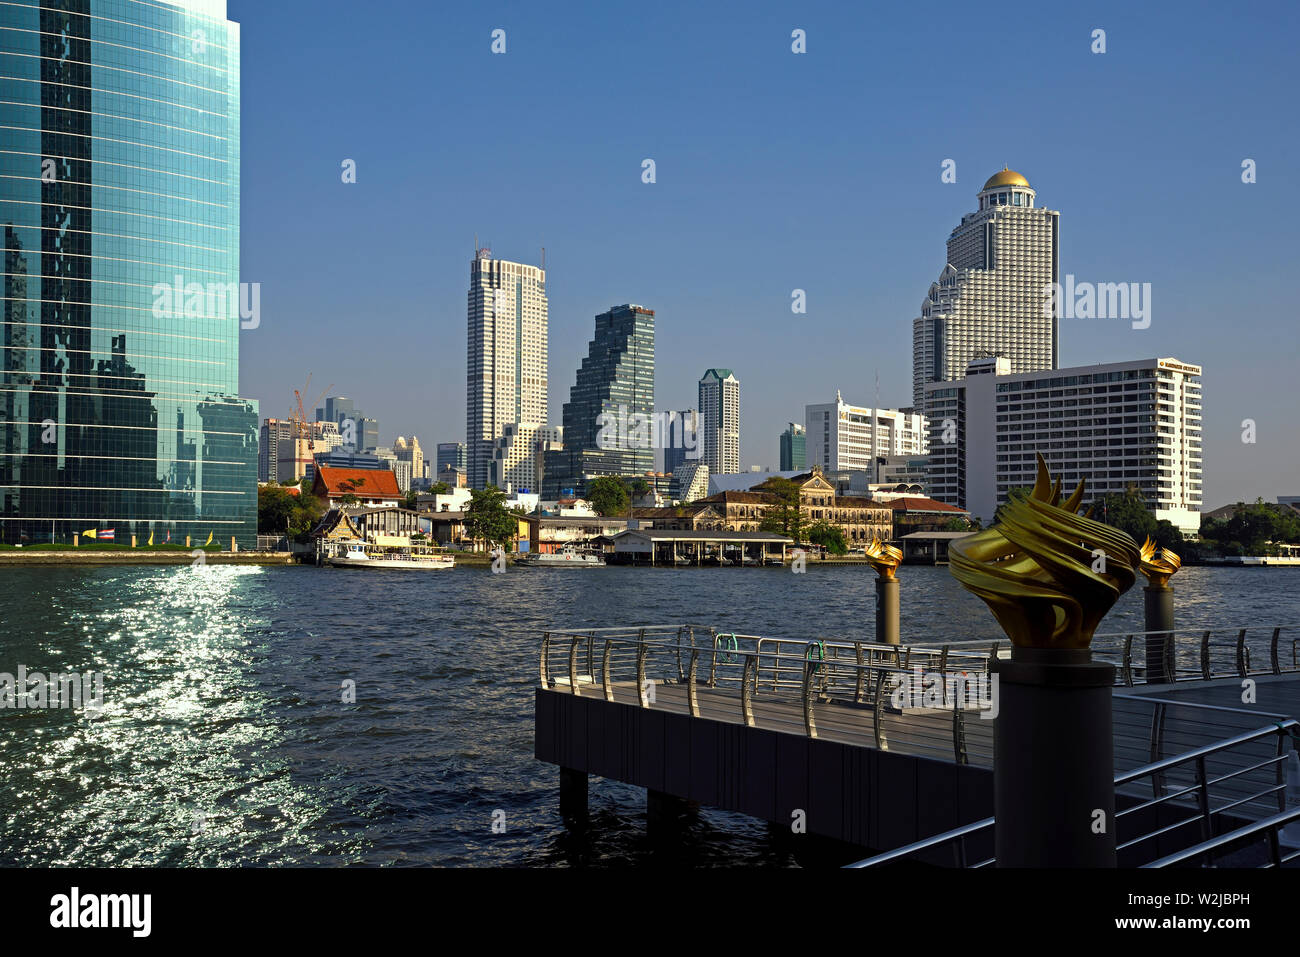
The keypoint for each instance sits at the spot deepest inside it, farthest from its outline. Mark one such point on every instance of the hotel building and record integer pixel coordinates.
(119, 182)
(1119, 425)
(989, 298)
(506, 377)
(843, 438)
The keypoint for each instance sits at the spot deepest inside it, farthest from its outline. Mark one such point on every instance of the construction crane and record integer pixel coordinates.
(298, 418)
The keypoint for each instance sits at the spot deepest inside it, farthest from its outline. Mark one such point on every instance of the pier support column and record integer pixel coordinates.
(1159, 600)
(887, 627)
(1054, 760)
(573, 798)
(666, 816)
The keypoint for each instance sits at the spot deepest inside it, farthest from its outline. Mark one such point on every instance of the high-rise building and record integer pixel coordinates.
(794, 448)
(120, 159)
(268, 448)
(506, 374)
(450, 455)
(1120, 425)
(681, 439)
(990, 298)
(411, 453)
(607, 420)
(357, 432)
(844, 438)
(720, 421)
(519, 456)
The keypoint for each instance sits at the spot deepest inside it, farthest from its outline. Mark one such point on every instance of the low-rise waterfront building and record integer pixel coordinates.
(370, 487)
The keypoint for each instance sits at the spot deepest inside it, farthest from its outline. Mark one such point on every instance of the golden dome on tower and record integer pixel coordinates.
(1008, 177)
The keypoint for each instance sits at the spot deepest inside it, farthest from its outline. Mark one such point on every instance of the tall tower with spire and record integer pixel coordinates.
(990, 297)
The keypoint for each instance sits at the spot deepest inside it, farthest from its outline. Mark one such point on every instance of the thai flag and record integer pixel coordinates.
(109, 535)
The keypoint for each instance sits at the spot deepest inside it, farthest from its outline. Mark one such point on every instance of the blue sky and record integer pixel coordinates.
(775, 171)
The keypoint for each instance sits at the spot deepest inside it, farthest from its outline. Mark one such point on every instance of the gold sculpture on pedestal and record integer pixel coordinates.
(1158, 564)
(1048, 574)
(884, 558)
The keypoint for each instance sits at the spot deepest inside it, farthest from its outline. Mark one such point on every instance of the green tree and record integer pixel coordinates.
(785, 517)
(280, 512)
(409, 500)
(439, 488)
(956, 524)
(487, 519)
(608, 495)
(830, 537)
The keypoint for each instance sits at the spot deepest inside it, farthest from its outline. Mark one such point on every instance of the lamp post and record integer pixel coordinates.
(885, 559)
(1049, 576)
(1159, 565)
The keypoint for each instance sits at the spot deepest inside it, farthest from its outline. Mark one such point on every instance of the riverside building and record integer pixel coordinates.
(1120, 425)
(845, 438)
(119, 182)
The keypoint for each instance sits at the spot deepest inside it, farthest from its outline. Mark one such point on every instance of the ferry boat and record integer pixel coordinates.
(567, 557)
(389, 551)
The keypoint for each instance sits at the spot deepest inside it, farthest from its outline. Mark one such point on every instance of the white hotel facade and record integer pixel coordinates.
(506, 377)
(1118, 425)
(846, 438)
(989, 297)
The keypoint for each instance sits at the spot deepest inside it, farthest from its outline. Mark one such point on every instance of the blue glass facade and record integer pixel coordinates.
(119, 205)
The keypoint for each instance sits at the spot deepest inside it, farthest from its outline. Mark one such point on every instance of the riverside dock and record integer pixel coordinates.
(838, 739)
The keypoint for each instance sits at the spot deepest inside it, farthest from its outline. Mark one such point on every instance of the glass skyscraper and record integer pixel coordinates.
(119, 204)
(607, 419)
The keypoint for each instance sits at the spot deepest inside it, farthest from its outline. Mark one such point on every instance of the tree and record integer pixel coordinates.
(409, 500)
(830, 537)
(785, 517)
(280, 512)
(956, 524)
(608, 495)
(439, 488)
(487, 519)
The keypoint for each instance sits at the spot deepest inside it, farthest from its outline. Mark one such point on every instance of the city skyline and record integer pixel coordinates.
(777, 196)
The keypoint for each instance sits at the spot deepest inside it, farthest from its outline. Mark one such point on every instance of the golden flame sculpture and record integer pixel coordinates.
(884, 558)
(1048, 574)
(1159, 564)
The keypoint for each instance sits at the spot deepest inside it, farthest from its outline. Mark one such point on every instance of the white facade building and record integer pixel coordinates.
(506, 377)
(845, 438)
(989, 298)
(1119, 425)
(719, 421)
(519, 453)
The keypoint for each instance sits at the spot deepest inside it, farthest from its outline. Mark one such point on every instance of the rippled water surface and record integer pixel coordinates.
(223, 740)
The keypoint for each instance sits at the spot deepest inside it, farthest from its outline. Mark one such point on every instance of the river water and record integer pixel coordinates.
(223, 740)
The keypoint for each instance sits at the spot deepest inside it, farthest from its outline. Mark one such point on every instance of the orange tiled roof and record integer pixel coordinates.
(372, 483)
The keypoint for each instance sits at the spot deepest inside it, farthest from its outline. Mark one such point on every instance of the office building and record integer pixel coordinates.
(794, 448)
(989, 299)
(720, 421)
(519, 456)
(843, 438)
(610, 408)
(450, 455)
(357, 431)
(1120, 425)
(681, 439)
(506, 376)
(120, 159)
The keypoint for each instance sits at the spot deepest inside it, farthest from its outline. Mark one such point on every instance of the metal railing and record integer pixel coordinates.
(1192, 794)
(841, 690)
(1192, 654)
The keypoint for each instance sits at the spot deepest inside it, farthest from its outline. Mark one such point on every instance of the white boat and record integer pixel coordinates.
(391, 552)
(567, 557)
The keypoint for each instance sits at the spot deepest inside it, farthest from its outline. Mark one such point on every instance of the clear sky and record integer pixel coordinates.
(775, 171)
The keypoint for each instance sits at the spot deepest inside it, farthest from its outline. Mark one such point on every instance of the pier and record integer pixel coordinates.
(889, 748)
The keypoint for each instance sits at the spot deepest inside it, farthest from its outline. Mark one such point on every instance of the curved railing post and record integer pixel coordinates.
(746, 695)
(546, 648)
(640, 671)
(959, 732)
(573, 665)
(1272, 651)
(1243, 656)
(862, 674)
(1128, 661)
(692, 697)
(681, 675)
(1205, 656)
(809, 723)
(713, 659)
(879, 712)
(604, 671)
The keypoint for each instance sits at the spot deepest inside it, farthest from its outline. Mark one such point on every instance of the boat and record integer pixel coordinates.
(567, 557)
(395, 552)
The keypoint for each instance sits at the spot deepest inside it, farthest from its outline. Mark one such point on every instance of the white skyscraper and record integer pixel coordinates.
(842, 437)
(506, 376)
(720, 421)
(989, 299)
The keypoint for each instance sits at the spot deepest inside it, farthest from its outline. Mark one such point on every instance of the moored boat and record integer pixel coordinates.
(390, 552)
